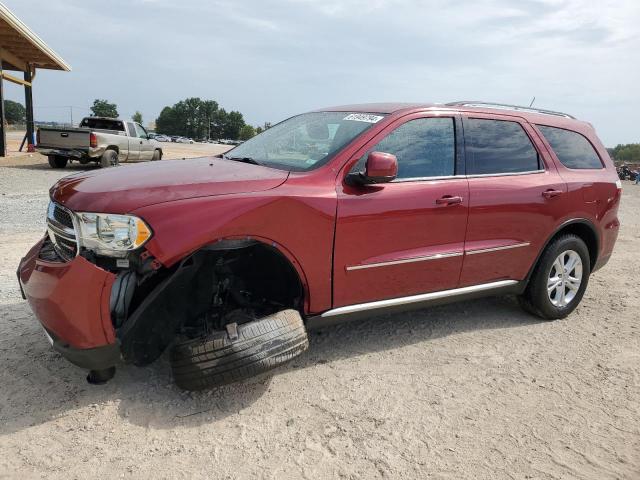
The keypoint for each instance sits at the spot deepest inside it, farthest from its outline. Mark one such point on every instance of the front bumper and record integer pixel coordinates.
(71, 301)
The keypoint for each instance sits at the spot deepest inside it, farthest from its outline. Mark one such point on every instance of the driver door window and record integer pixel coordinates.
(424, 148)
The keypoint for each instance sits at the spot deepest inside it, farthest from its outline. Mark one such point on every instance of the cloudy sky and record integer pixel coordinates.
(270, 59)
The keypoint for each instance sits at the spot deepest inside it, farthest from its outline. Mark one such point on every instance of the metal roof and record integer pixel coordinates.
(20, 46)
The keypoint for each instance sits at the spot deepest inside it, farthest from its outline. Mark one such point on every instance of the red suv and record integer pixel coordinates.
(329, 215)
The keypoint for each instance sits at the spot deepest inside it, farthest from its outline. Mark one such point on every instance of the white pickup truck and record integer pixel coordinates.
(107, 141)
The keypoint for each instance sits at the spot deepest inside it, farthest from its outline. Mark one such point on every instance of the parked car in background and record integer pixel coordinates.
(184, 140)
(106, 141)
(328, 216)
(162, 138)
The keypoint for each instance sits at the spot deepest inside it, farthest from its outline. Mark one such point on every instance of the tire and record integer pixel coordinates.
(536, 298)
(157, 155)
(109, 159)
(56, 161)
(262, 345)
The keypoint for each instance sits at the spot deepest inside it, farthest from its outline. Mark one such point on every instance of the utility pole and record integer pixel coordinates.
(71, 114)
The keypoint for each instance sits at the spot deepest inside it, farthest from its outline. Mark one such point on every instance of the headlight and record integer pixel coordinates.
(111, 235)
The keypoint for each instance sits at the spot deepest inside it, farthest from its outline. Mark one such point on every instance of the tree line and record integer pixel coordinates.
(629, 152)
(193, 118)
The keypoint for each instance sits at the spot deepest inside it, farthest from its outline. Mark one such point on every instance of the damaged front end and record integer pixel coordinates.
(124, 300)
(231, 281)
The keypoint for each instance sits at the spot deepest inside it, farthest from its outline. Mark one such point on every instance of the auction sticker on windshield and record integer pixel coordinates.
(363, 117)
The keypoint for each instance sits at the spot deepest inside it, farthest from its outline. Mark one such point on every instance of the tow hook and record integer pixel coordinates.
(100, 377)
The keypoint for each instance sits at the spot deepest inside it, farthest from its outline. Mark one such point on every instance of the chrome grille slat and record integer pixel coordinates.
(62, 231)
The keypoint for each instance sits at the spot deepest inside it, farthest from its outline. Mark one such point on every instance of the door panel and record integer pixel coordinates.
(146, 147)
(405, 237)
(134, 143)
(396, 240)
(511, 215)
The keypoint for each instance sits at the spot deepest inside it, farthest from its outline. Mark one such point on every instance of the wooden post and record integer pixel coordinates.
(28, 103)
(3, 137)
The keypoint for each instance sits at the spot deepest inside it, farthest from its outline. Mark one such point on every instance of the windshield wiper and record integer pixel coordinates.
(243, 159)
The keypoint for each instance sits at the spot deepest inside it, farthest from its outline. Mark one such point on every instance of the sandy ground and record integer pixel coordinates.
(476, 390)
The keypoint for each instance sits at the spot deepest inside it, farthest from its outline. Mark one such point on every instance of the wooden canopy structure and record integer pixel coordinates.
(21, 50)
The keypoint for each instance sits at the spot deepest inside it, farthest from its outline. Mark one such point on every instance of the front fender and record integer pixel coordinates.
(300, 227)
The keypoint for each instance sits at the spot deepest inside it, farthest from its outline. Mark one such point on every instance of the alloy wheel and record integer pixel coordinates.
(565, 278)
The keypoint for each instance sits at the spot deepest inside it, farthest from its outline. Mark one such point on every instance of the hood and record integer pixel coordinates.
(125, 189)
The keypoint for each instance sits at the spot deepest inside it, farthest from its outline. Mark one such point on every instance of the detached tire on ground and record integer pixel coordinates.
(109, 159)
(56, 161)
(261, 345)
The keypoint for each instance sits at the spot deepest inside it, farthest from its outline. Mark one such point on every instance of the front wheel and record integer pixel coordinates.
(559, 279)
(256, 347)
(157, 155)
(56, 161)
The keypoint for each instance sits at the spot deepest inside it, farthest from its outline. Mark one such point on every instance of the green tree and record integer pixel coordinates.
(137, 117)
(626, 153)
(102, 108)
(166, 122)
(232, 125)
(14, 112)
(246, 132)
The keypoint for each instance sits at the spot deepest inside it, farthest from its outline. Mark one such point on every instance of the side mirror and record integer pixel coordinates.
(380, 168)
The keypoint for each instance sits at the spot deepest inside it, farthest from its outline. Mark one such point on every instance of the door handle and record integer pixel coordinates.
(551, 193)
(449, 200)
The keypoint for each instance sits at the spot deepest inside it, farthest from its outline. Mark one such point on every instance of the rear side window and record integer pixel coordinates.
(572, 149)
(498, 146)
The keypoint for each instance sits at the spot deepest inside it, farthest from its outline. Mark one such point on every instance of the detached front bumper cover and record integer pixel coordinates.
(71, 301)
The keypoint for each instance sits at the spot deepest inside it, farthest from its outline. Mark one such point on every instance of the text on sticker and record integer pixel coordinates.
(363, 117)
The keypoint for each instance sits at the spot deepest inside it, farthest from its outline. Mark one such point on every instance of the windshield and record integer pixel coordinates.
(306, 141)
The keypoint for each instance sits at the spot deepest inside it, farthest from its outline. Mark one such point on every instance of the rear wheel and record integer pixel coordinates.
(559, 279)
(56, 161)
(239, 352)
(109, 159)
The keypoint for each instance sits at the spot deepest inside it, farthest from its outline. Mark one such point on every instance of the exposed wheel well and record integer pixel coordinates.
(232, 281)
(112, 147)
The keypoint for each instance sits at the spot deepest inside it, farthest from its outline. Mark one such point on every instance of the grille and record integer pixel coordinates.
(61, 231)
(62, 217)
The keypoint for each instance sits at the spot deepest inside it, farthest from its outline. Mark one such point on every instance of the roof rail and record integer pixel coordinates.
(502, 106)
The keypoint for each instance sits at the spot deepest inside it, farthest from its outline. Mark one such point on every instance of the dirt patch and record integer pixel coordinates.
(473, 390)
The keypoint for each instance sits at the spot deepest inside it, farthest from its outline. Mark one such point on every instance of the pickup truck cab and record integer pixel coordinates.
(106, 141)
(328, 216)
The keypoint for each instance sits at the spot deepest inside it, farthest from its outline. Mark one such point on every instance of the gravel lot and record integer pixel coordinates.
(472, 390)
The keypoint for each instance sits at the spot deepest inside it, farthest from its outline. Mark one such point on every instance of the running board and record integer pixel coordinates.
(349, 312)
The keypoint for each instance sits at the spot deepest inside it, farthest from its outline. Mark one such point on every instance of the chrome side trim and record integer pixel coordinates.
(497, 249)
(427, 179)
(416, 298)
(425, 258)
(506, 174)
